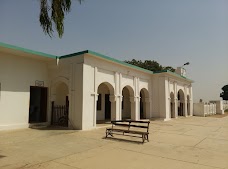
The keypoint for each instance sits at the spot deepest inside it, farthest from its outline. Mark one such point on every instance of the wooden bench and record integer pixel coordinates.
(129, 127)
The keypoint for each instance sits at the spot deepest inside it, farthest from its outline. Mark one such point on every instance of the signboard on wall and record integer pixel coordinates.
(39, 83)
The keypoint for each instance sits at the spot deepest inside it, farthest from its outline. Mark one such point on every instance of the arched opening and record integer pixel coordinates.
(127, 102)
(181, 102)
(188, 105)
(60, 104)
(144, 104)
(105, 111)
(62, 92)
(172, 105)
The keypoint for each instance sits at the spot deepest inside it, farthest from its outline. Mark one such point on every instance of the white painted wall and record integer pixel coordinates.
(79, 78)
(17, 74)
(224, 105)
(207, 109)
(70, 72)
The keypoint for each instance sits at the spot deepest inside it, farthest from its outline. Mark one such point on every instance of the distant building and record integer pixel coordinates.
(86, 87)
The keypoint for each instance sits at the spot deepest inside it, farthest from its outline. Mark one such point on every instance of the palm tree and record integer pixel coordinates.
(52, 13)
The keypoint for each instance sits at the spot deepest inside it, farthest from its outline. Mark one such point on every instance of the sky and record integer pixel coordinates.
(169, 32)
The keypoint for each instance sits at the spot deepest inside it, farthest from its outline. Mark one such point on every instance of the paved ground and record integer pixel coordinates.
(189, 143)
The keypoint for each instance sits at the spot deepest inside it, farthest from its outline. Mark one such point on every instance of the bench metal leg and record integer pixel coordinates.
(109, 132)
(143, 138)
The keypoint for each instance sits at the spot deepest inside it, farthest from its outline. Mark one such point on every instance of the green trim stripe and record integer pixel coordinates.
(120, 62)
(88, 52)
(27, 50)
(106, 58)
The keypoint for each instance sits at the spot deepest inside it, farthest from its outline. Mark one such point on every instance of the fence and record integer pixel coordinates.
(204, 109)
(225, 105)
(59, 115)
(211, 108)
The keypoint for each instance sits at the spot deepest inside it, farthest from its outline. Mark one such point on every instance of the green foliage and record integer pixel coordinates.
(224, 94)
(149, 65)
(52, 13)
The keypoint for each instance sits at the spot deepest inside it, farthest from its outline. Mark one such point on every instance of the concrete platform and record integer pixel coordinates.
(189, 143)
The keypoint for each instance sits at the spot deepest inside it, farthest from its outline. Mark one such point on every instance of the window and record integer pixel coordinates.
(99, 102)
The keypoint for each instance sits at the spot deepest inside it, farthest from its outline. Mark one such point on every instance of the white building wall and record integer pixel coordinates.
(99, 71)
(81, 77)
(17, 74)
(225, 105)
(70, 72)
(205, 109)
(155, 97)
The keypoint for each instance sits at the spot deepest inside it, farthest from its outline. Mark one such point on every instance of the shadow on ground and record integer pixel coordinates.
(123, 140)
(52, 128)
(1, 156)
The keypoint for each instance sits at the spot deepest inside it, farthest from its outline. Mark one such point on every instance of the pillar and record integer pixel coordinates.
(114, 113)
(185, 107)
(135, 110)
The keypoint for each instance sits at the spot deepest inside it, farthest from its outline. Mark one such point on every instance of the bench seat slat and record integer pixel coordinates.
(131, 125)
(128, 131)
(132, 121)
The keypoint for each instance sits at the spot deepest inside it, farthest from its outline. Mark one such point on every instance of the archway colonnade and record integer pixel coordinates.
(131, 107)
(179, 104)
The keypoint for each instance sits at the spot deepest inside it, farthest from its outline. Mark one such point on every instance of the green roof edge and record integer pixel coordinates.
(27, 50)
(89, 52)
(107, 58)
(170, 72)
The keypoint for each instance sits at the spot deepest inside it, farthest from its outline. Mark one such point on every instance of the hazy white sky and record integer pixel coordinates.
(171, 32)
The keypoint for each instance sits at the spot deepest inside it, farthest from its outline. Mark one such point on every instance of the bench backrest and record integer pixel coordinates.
(132, 124)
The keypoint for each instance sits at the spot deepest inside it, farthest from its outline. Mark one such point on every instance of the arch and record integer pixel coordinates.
(105, 106)
(62, 92)
(60, 102)
(172, 105)
(55, 83)
(127, 102)
(60, 79)
(109, 86)
(144, 104)
(181, 102)
(128, 85)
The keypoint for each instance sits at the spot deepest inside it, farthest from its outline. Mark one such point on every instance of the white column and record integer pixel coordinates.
(219, 107)
(114, 114)
(185, 107)
(120, 99)
(95, 110)
(135, 113)
(191, 101)
(170, 111)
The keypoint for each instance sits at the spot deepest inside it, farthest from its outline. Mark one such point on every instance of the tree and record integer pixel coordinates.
(52, 14)
(149, 65)
(224, 94)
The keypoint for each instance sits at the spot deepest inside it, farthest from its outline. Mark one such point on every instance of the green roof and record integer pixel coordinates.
(107, 58)
(87, 52)
(27, 50)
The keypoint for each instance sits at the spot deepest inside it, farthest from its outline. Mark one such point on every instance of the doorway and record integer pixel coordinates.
(107, 107)
(38, 104)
